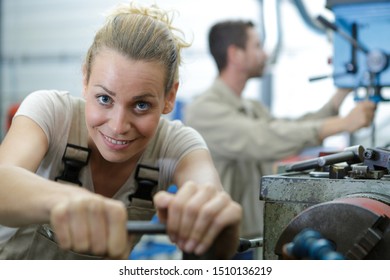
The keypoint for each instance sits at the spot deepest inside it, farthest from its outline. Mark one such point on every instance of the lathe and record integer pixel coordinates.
(345, 197)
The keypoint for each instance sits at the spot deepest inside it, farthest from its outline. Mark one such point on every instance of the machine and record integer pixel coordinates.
(361, 49)
(344, 197)
(361, 55)
(337, 206)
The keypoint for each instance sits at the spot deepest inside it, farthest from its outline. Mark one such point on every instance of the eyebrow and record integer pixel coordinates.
(107, 90)
(135, 97)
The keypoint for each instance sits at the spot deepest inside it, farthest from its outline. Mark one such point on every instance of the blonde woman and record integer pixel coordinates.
(74, 170)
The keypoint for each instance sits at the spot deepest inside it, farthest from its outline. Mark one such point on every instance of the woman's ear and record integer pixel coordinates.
(170, 99)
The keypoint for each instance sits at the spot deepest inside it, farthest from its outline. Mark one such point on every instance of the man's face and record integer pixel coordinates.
(255, 58)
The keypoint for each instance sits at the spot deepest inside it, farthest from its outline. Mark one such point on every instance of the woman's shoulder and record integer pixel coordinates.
(45, 99)
(168, 127)
(50, 109)
(55, 102)
(176, 133)
(49, 96)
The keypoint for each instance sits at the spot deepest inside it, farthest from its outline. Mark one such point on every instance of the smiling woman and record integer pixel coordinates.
(128, 84)
(124, 101)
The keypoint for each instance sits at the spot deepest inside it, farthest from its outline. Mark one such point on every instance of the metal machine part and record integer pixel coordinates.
(350, 155)
(359, 227)
(354, 162)
(361, 53)
(288, 195)
(309, 244)
(155, 227)
(359, 47)
(346, 198)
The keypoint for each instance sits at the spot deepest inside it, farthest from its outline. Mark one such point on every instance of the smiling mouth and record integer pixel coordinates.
(116, 142)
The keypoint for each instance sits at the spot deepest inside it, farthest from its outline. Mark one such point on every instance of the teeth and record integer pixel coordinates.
(116, 142)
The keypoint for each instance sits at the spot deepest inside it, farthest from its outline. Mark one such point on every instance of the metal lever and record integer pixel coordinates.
(146, 227)
(246, 244)
(353, 154)
(334, 27)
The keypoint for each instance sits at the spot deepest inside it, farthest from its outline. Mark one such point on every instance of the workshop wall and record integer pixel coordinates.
(43, 44)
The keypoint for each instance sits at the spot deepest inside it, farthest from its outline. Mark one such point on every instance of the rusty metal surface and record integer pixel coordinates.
(286, 195)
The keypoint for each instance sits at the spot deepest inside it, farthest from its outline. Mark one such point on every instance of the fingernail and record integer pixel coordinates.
(190, 246)
(200, 249)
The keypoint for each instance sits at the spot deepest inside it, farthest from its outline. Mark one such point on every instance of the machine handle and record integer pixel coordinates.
(155, 227)
(320, 161)
(334, 27)
(353, 154)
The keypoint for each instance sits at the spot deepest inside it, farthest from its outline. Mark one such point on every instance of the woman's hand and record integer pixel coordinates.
(90, 223)
(200, 216)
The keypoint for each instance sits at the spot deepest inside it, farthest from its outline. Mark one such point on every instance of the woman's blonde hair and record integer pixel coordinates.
(140, 33)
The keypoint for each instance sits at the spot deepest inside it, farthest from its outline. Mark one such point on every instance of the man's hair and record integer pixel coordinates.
(224, 34)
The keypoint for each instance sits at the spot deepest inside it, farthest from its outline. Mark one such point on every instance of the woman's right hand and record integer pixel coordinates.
(90, 223)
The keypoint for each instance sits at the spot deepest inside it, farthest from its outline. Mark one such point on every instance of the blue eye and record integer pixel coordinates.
(142, 106)
(104, 99)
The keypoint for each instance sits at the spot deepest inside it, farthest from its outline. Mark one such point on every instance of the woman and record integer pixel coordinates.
(130, 78)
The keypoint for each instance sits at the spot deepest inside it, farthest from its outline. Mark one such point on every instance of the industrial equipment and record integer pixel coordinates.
(347, 201)
(345, 197)
(361, 50)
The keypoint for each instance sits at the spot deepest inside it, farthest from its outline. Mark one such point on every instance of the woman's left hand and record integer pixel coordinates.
(199, 216)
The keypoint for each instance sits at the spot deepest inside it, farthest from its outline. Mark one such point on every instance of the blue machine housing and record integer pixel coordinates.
(369, 23)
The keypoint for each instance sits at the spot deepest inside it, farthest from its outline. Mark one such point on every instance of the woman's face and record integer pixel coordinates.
(124, 101)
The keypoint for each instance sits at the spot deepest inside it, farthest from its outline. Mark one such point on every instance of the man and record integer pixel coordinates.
(242, 135)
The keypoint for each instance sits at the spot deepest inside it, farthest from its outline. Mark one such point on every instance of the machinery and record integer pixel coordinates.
(337, 206)
(344, 197)
(361, 51)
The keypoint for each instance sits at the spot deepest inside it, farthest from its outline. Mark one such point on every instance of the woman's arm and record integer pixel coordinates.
(22, 193)
(83, 221)
(198, 167)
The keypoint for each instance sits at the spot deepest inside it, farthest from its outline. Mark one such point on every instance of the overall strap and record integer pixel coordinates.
(78, 129)
(76, 154)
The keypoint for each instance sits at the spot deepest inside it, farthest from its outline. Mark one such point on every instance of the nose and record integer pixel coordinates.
(120, 121)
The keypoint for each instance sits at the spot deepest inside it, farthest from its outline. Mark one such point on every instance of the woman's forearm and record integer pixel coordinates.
(26, 198)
